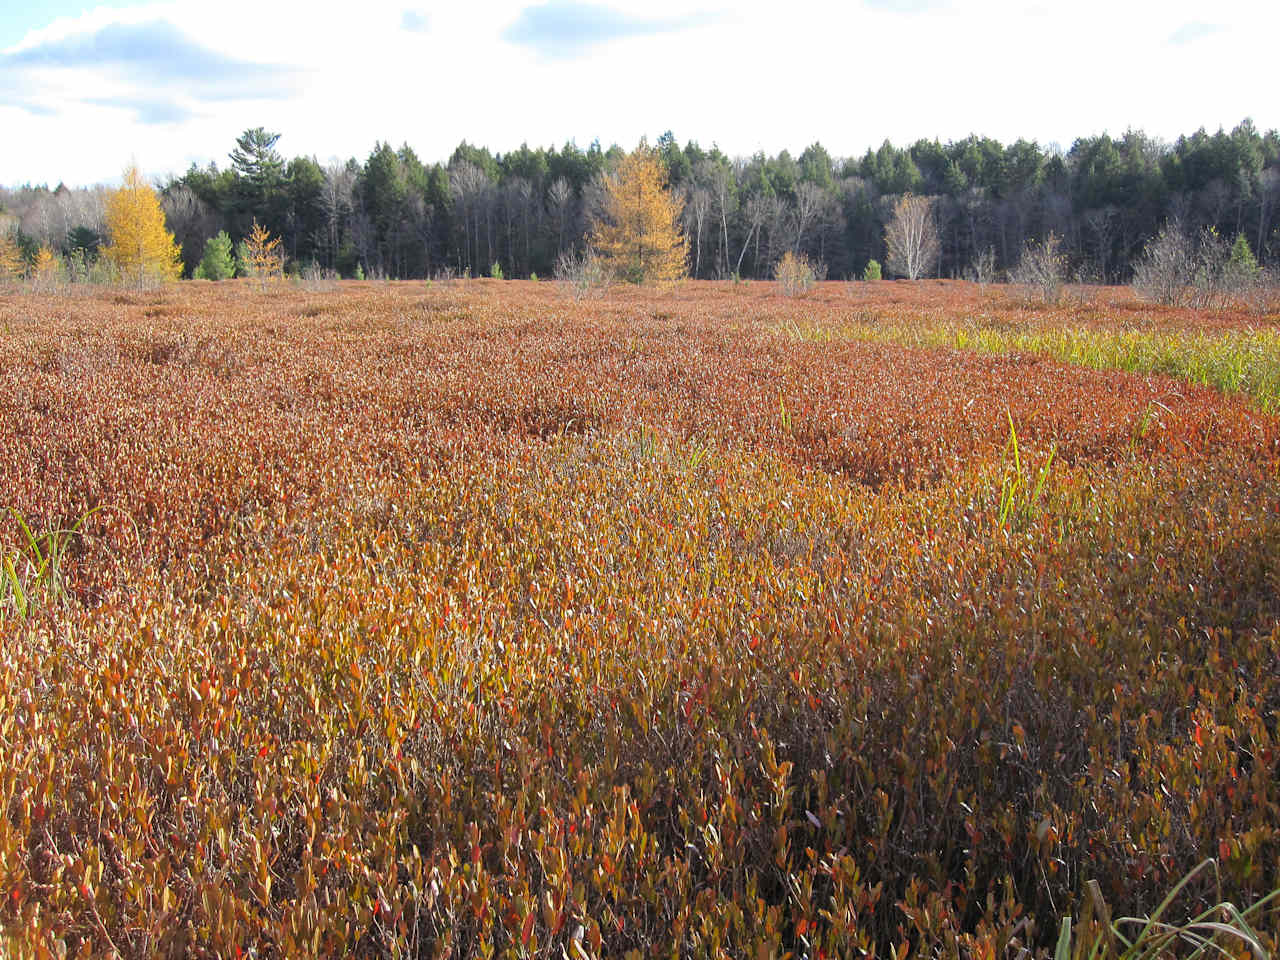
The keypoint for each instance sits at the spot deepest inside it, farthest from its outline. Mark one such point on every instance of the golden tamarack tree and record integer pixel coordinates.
(45, 270)
(11, 262)
(138, 244)
(639, 234)
(263, 258)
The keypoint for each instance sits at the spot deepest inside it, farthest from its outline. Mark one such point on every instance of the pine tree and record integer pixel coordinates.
(139, 245)
(244, 268)
(1242, 263)
(217, 262)
(639, 235)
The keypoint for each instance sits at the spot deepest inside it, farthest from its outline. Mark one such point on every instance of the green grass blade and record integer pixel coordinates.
(1063, 949)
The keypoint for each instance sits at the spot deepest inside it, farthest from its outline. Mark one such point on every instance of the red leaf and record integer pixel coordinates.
(526, 930)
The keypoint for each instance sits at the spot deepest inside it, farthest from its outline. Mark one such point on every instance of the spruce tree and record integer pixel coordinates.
(1242, 264)
(217, 262)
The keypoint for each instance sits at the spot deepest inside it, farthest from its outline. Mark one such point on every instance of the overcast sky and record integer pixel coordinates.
(84, 89)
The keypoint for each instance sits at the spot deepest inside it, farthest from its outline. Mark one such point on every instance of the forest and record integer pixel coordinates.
(483, 213)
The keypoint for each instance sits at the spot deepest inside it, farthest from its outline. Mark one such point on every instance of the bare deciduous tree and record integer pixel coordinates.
(1043, 268)
(190, 219)
(812, 203)
(982, 270)
(1202, 272)
(339, 181)
(471, 187)
(1101, 223)
(775, 218)
(560, 200)
(757, 212)
(912, 237)
(696, 208)
(1162, 273)
(1268, 198)
(721, 180)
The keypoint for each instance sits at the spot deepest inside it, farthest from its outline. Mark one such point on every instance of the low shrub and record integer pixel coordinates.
(982, 270)
(317, 279)
(797, 274)
(583, 275)
(1042, 270)
(451, 624)
(1202, 273)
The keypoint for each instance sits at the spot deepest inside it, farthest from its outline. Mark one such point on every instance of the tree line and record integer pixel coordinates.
(516, 213)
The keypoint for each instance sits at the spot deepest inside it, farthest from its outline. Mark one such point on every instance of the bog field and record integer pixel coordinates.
(466, 619)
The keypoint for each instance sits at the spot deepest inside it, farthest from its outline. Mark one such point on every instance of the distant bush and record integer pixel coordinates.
(872, 270)
(1043, 269)
(316, 278)
(47, 274)
(1202, 272)
(797, 274)
(82, 267)
(1264, 295)
(495, 271)
(982, 270)
(584, 275)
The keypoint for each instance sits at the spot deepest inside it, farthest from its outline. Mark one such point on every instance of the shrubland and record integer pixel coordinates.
(472, 620)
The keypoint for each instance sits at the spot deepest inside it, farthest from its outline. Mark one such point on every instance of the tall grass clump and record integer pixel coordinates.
(33, 575)
(1244, 360)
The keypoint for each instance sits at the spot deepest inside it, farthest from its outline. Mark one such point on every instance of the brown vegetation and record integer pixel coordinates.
(470, 618)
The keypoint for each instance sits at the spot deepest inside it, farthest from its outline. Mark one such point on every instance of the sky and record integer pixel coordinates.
(85, 89)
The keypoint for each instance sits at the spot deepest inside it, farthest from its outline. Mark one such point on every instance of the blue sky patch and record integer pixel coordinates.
(563, 29)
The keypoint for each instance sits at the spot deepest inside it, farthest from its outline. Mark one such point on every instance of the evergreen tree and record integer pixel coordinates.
(639, 235)
(217, 262)
(260, 189)
(1242, 262)
(244, 263)
(139, 245)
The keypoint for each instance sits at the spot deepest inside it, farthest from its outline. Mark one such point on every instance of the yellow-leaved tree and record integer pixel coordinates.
(46, 270)
(639, 233)
(11, 262)
(138, 243)
(263, 257)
